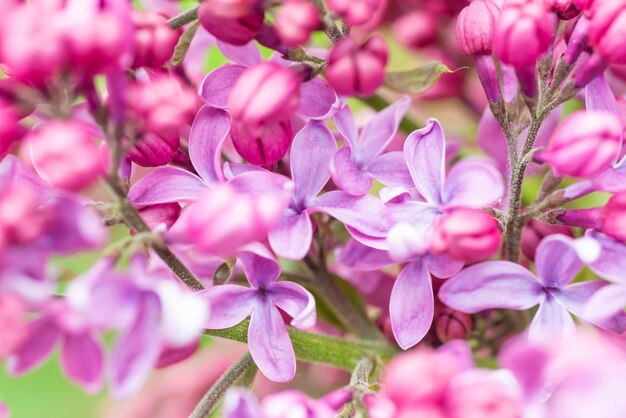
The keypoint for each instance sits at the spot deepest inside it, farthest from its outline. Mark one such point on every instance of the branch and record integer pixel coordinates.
(183, 18)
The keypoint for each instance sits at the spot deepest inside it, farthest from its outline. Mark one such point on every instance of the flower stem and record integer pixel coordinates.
(183, 18)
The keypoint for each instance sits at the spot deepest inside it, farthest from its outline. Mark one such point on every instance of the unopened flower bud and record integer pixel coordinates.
(452, 325)
(584, 144)
(607, 30)
(23, 217)
(154, 151)
(614, 217)
(263, 144)
(264, 93)
(416, 29)
(295, 21)
(357, 69)
(155, 40)
(354, 12)
(564, 9)
(584, 5)
(466, 234)
(524, 32)
(232, 21)
(65, 155)
(475, 27)
(160, 216)
(534, 231)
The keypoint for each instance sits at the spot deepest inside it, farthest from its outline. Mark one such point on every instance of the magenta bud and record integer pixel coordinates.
(564, 9)
(160, 216)
(154, 151)
(534, 231)
(585, 144)
(452, 325)
(14, 325)
(295, 21)
(524, 32)
(263, 144)
(607, 30)
(416, 29)
(357, 69)
(576, 36)
(65, 155)
(10, 128)
(264, 93)
(614, 217)
(232, 21)
(18, 204)
(466, 234)
(475, 27)
(355, 12)
(155, 40)
(584, 5)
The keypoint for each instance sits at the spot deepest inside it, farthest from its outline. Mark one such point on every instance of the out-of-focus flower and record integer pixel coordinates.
(295, 21)
(607, 30)
(614, 217)
(564, 9)
(13, 312)
(416, 29)
(355, 12)
(10, 128)
(155, 40)
(241, 403)
(233, 21)
(355, 68)
(153, 150)
(535, 231)
(162, 216)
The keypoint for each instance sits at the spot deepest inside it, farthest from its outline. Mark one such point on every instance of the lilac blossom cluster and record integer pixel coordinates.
(260, 203)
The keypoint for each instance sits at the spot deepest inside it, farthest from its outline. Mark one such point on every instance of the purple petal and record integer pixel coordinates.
(411, 307)
(311, 152)
(261, 184)
(166, 185)
(209, 131)
(360, 257)
(375, 242)
(260, 267)
(492, 141)
(424, 151)
(612, 180)
(473, 183)
(137, 349)
(317, 99)
(345, 125)
(509, 82)
(347, 175)
(379, 132)
(42, 335)
(600, 97)
(240, 402)
(391, 170)
(269, 344)
(195, 60)
(366, 214)
(298, 302)
(229, 304)
(492, 284)
(611, 264)
(442, 266)
(75, 228)
(605, 303)
(216, 86)
(246, 55)
(292, 237)
(82, 358)
(551, 321)
(557, 261)
(575, 298)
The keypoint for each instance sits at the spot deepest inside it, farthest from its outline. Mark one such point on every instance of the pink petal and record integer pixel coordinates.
(166, 185)
(259, 265)
(292, 237)
(551, 321)
(246, 55)
(411, 307)
(379, 132)
(317, 99)
(345, 125)
(391, 170)
(216, 86)
(298, 302)
(492, 141)
(473, 183)
(229, 304)
(424, 151)
(599, 96)
(360, 257)
(611, 264)
(347, 175)
(605, 303)
(208, 133)
(442, 266)
(82, 358)
(42, 335)
(492, 284)
(557, 261)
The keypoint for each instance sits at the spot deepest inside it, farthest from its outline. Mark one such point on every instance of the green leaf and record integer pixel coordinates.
(183, 45)
(417, 80)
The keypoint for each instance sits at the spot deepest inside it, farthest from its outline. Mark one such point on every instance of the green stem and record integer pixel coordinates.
(317, 348)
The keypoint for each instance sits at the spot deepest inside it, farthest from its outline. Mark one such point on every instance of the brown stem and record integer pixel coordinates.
(183, 18)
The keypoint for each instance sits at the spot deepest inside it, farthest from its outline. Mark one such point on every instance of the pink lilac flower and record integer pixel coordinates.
(268, 340)
(241, 403)
(233, 21)
(295, 21)
(155, 40)
(416, 29)
(502, 284)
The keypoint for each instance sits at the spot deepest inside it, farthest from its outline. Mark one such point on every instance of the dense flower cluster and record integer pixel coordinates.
(258, 201)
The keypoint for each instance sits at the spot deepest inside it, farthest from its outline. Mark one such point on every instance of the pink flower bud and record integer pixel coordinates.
(607, 30)
(295, 21)
(524, 32)
(154, 151)
(233, 21)
(354, 12)
(452, 325)
(263, 144)
(416, 29)
(162, 106)
(266, 92)
(564, 9)
(614, 217)
(466, 234)
(583, 145)
(154, 39)
(475, 27)
(65, 155)
(161, 215)
(534, 231)
(357, 69)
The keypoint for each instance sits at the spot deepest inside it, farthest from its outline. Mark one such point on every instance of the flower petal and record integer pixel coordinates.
(606, 302)
(311, 152)
(557, 261)
(363, 258)
(229, 304)
(259, 265)
(216, 86)
(412, 306)
(347, 175)
(424, 151)
(83, 360)
(391, 170)
(269, 344)
(208, 132)
(551, 321)
(166, 185)
(317, 99)
(379, 132)
(492, 284)
(611, 264)
(344, 120)
(298, 302)
(473, 183)
(491, 139)
(600, 97)
(442, 266)
(246, 55)
(42, 335)
(292, 237)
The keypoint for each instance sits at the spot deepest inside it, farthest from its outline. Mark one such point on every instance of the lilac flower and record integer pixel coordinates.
(354, 165)
(241, 403)
(502, 284)
(268, 340)
(311, 152)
